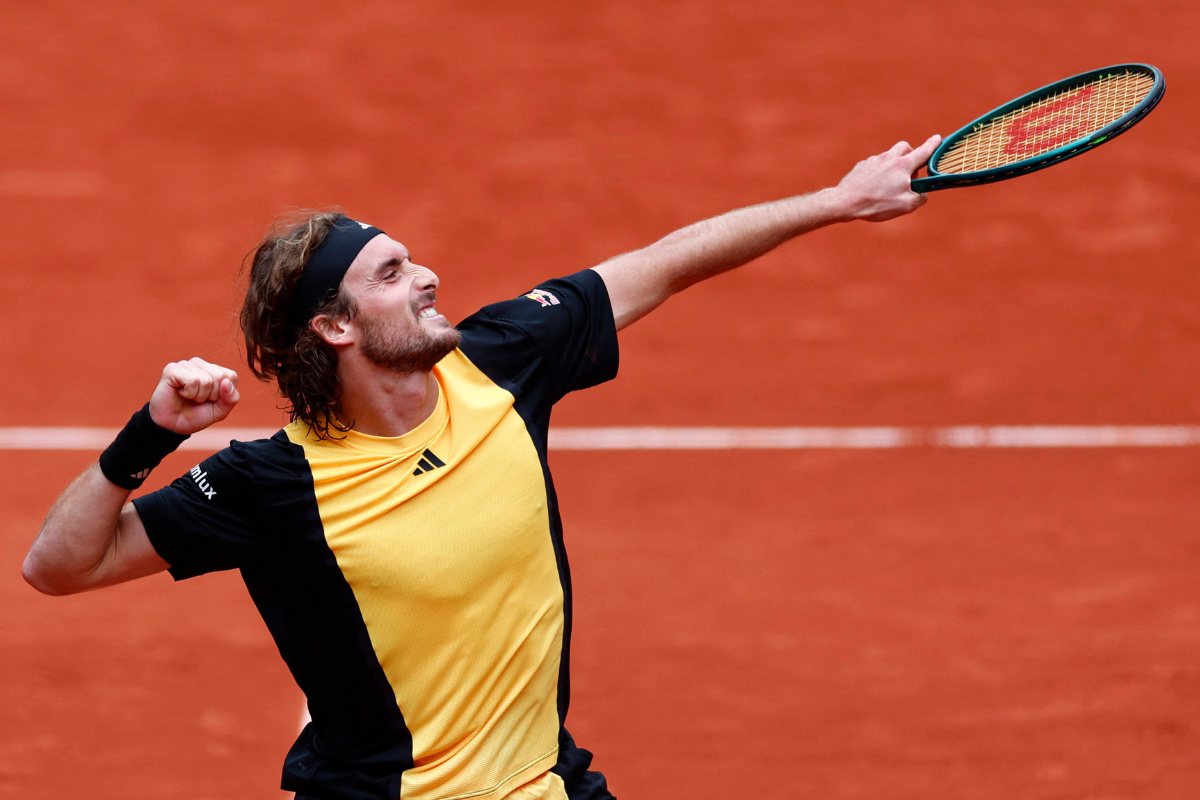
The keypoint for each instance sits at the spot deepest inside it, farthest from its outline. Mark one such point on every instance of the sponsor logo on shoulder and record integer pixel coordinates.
(543, 297)
(200, 477)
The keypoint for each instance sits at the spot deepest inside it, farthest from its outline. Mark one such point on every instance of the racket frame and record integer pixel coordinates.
(936, 180)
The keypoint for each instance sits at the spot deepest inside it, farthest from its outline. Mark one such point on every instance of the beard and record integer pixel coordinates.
(404, 352)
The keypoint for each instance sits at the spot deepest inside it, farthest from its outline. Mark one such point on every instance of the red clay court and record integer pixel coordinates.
(984, 624)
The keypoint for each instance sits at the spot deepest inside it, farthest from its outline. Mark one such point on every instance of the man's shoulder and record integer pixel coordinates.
(559, 295)
(255, 458)
(257, 444)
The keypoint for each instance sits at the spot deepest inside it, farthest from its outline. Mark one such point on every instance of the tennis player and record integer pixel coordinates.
(401, 537)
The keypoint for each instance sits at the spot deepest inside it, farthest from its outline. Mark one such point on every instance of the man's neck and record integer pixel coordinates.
(381, 402)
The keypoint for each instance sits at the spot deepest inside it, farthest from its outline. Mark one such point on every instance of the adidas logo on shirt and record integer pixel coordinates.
(428, 463)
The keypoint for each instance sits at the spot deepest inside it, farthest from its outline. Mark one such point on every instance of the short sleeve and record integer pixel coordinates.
(205, 521)
(555, 339)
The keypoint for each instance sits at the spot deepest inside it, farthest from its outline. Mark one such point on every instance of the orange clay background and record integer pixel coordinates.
(984, 625)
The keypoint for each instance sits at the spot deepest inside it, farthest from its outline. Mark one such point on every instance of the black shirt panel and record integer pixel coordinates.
(573, 767)
(558, 338)
(220, 514)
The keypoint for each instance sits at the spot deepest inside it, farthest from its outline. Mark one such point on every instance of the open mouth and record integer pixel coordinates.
(423, 306)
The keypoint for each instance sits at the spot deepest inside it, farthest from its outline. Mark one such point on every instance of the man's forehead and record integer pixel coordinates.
(381, 250)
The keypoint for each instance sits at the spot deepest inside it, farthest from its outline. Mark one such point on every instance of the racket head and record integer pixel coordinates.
(1044, 127)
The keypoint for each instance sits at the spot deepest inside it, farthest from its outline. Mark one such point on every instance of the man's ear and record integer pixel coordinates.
(334, 330)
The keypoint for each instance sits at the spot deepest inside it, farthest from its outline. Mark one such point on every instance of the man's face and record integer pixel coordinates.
(397, 324)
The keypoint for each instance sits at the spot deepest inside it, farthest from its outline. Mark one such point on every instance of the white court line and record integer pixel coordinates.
(713, 438)
(730, 438)
(1069, 436)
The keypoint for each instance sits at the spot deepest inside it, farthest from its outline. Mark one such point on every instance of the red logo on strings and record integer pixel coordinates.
(1025, 133)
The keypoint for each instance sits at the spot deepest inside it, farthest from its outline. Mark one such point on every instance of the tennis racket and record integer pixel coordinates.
(1045, 127)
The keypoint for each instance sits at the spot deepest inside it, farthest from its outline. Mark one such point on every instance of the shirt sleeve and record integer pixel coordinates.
(205, 520)
(555, 339)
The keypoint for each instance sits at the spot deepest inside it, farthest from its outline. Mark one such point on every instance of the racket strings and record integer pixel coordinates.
(1047, 124)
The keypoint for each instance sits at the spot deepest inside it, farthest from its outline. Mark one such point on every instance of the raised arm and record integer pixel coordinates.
(93, 537)
(876, 189)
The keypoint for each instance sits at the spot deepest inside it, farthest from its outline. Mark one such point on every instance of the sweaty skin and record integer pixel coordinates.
(93, 537)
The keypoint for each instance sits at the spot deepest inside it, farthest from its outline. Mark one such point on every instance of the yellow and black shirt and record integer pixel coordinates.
(417, 586)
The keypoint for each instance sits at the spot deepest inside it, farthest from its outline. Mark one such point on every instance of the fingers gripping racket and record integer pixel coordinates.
(1044, 127)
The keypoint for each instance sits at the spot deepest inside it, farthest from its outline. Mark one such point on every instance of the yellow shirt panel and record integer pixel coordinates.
(455, 575)
(547, 786)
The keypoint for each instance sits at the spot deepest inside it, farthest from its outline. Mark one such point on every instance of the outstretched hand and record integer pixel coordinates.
(193, 394)
(880, 187)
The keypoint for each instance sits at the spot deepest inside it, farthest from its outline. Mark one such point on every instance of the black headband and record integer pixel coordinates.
(326, 267)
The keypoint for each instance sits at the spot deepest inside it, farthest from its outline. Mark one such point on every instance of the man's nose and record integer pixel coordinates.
(427, 280)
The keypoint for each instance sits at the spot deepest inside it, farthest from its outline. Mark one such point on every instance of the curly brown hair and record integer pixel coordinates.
(302, 364)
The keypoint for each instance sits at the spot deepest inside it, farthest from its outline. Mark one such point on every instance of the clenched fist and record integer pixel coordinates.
(193, 394)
